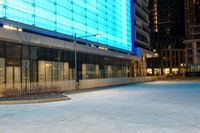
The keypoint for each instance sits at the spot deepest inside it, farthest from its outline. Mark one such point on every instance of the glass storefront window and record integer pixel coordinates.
(41, 66)
(34, 71)
(2, 50)
(97, 72)
(49, 66)
(2, 71)
(25, 71)
(52, 71)
(41, 71)
(17, 75)
(108, 71)
(60, 71)
(21, 64)
(66, 71)
(53, 66)
(13, 75)
(84, 71)
(114, 71)
(125, 71)
(9, 75)
(90, 71)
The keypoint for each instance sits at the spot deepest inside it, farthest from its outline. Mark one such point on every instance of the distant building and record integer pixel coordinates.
(192, 27)
(167, 32)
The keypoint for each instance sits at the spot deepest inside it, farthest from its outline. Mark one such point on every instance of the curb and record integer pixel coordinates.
(34, 101)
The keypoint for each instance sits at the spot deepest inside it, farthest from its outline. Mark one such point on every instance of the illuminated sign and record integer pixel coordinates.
(110, 18)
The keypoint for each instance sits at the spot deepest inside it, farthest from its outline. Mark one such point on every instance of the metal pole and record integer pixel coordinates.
(75, 61)
(75, 55)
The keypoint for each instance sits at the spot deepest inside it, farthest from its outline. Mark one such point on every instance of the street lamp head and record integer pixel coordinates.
(98, 35)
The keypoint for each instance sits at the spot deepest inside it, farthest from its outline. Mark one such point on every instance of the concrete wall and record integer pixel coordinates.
(62, 86)
(86, 84)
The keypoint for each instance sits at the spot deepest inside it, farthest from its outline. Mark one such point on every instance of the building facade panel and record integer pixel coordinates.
(76, 16)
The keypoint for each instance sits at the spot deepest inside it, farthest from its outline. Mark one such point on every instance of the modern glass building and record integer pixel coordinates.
(37, 49)
(112, 19)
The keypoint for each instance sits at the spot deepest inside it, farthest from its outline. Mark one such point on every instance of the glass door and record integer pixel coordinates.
(9, 75)
(13, 75)
(17, 75)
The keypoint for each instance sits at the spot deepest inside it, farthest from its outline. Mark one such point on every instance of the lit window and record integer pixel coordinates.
(12, 28)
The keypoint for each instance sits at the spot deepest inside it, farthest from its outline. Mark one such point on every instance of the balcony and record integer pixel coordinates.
(141, 16)
(195, 31)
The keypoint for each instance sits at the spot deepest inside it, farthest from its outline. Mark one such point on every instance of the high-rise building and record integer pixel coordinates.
(47, 45)
(141, 21)
(167, 32)
(142, 35)
(192, 42)
(166, 23)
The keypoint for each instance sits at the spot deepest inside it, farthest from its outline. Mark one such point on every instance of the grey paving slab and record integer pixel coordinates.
(156, 107)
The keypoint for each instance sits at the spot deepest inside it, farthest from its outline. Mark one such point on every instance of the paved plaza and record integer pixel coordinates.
(155, 107)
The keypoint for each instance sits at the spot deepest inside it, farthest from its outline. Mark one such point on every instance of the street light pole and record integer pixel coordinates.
(75, 55)
(75, 61)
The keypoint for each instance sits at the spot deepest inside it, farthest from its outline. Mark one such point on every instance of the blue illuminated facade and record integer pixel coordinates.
(110, 18)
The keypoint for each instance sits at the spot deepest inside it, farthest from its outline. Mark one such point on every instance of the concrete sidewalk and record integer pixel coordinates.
(154, 107)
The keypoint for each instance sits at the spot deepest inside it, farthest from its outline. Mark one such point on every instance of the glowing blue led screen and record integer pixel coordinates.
(110, 18)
